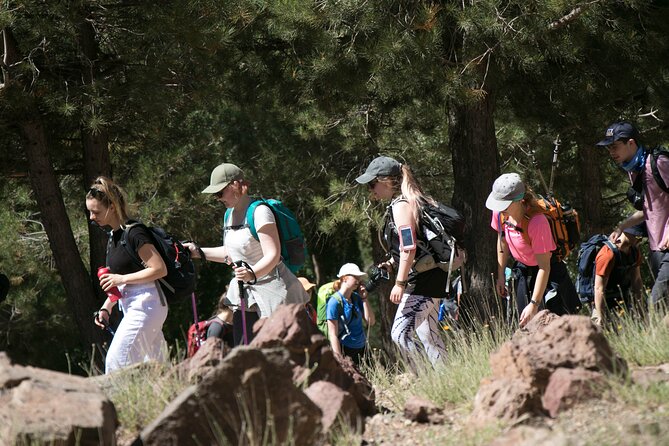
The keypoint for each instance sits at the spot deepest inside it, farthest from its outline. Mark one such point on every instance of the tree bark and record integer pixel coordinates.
(591, 215)
(80, 292)
(475, 159)
(95, 145)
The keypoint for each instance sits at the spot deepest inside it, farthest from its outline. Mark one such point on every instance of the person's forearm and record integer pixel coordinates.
(634, 219)
(502, 257)
(218, 254)
(599, 296)
(265, 265)
(406, 260)
(145, 275)
(540, 284)
(334, 341)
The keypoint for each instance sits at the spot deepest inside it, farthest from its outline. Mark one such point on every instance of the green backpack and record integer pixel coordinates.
(325, 292)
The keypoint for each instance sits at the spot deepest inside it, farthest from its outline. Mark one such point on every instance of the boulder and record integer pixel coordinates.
(649, 375)
(522, 367)
(421, 410)
(310, 353)
(568, 341)
(566, 387)
(209, 355)
(45, 407)
(532, 436)
(249, 396)
(505, 399)
(540, 320)
(338, 406)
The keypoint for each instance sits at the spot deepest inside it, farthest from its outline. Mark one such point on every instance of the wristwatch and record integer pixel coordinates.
(401, 282)
(533, 302)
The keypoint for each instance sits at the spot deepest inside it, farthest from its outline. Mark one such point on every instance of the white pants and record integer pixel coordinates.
(139, 336)
(418, 314)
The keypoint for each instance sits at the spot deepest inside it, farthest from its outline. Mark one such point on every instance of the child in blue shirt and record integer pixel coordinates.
(345, 311)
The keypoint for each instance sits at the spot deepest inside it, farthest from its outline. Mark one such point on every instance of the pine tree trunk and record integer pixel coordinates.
(80, 292)
(591, 215)
(95, 145)
(473, 146)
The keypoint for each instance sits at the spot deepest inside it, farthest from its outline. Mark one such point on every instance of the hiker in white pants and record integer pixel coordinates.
(139, 337)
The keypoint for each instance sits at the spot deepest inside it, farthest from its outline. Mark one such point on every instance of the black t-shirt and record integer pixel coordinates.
(431, 283)
(119, 260)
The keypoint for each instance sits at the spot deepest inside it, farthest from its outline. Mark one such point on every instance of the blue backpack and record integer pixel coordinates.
(585, 281)
(293, 247)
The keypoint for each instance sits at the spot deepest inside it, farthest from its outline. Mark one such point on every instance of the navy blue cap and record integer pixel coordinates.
(637, 230)
(618, 130)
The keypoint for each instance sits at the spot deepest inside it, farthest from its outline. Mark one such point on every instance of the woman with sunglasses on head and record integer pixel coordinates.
(267, 281)
(139, 336)
(541, 279)
(345, 310)
(415, 292)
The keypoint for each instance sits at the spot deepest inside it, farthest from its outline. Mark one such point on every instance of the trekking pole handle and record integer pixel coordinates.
(556, 149)
(241, 263)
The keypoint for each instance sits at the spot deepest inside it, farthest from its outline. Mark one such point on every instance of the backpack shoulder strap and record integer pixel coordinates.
(654, 155)
(249, 215)
(124, 241)
(615, 250)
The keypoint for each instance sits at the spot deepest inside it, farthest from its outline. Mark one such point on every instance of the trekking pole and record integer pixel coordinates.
(557, 143)
(242, 302)
(198, 335)
(536, 166)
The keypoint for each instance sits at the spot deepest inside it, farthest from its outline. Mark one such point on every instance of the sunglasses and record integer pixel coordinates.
(372, 183)
(96, 193)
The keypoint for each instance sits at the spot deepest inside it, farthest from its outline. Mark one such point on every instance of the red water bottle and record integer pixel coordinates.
(113, 294)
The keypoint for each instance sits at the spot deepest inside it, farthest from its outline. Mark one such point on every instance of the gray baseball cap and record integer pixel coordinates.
(223, 175)
(381, 166)
(505, 190)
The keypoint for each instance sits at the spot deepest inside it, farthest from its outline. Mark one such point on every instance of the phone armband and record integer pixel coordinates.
(407, 238)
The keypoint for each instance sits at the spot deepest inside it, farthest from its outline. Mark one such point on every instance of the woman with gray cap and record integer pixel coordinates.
(267, 281)
(525, 234)
(415, 292)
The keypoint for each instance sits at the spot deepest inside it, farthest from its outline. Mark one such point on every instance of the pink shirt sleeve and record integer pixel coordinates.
(494, 222)
(539, 231)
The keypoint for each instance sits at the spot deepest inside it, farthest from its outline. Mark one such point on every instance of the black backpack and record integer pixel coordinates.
(181, 277)
(440, 227)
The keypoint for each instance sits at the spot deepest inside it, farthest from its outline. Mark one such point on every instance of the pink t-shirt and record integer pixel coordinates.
(656, 202)
(539, 232)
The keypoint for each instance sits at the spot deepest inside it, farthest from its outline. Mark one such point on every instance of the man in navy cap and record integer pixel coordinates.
(649, 174)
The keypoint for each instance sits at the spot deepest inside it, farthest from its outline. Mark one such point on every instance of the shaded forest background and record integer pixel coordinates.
(301, 95)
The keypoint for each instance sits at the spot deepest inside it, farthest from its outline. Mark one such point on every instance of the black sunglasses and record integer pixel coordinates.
(96, 193)
(372, 183)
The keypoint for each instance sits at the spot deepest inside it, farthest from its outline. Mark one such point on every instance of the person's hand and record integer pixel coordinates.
(528, 313)
(596, 317)
(615, 235)
(109, 281)
(101, 318)
(396, 294)
(664, 244)
(500, 286)
(192, 247)
(388, 265)
(362, 291)
(243, 274)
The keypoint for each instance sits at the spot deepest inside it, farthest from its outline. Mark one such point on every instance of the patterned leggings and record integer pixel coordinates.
(418, 314)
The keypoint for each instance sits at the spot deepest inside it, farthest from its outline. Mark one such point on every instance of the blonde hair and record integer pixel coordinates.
(109, 193)
(408, 186)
